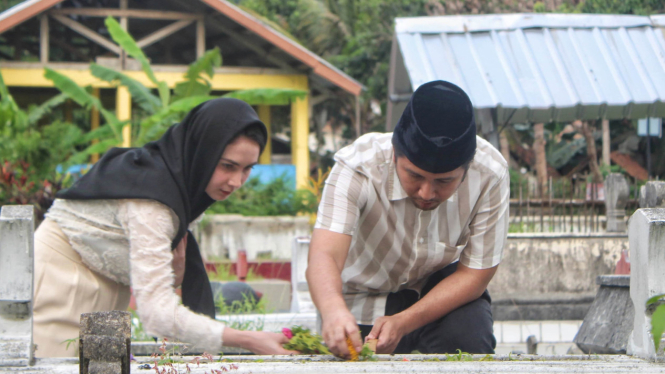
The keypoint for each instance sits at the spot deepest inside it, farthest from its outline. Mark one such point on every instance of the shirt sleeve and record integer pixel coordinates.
(489, 227)
(151, 227)
(344, 195)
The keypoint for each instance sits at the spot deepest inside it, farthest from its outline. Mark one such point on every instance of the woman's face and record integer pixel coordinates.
(233, 168)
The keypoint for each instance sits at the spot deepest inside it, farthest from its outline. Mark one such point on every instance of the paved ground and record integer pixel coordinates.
(386, 364)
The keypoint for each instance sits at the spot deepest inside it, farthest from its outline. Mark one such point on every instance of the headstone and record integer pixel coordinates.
(647, 278)
(301, 300)
(17, 226)
(609, 322)
(617, 192)
(652, 195)
(105, 342)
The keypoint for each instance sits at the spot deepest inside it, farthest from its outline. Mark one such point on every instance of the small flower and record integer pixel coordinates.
(287, 332)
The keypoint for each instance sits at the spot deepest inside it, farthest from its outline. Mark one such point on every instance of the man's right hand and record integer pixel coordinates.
(336, 327)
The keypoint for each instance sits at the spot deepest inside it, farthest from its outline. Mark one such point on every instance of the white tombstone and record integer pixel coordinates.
(301, 300)
(17, 226)
(646, 235)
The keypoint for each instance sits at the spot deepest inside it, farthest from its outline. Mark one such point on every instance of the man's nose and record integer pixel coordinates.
(426, 191)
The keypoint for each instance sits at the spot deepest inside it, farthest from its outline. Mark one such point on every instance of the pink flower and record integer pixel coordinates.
(287, 332)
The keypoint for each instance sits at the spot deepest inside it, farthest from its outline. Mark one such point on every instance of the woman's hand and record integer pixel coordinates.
(269, 343)
(178, 262)
(259, 342)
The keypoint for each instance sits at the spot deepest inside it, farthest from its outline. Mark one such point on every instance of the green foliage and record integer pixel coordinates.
(366, 354)
(276, 198)
(232, 315)
(460, 356)
(306, 342)
(268, 96)
(657, 319)
(224, 274)
(639, 7)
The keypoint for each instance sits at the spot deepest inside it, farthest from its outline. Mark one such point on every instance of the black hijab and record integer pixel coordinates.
(175, 171)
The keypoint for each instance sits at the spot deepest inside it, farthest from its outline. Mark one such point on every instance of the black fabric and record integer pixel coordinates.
(175, 171)
(437, 130)
(196, 291)
(468, 328)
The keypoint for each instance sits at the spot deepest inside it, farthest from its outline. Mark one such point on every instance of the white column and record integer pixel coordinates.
(17, 226)
(646, 235)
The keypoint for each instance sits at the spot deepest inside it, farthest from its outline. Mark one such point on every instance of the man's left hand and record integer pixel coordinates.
(389, 331)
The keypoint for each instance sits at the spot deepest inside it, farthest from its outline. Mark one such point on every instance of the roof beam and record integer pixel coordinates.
(129, 13)
(163, 33)
(261, 51)
(83, 30)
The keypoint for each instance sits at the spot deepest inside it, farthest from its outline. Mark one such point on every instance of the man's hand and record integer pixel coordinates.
(389, 331)
(336, 327)
(178, 262)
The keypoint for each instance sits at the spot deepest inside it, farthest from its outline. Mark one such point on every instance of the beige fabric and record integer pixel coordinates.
(65, 288)
(395, 245)
(109, 235)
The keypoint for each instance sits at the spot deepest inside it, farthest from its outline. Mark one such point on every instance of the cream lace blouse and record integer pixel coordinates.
(129, 241)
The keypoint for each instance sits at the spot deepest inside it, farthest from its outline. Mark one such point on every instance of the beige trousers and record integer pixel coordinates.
(65, 288)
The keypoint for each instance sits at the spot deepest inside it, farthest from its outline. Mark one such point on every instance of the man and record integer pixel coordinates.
(410, 231)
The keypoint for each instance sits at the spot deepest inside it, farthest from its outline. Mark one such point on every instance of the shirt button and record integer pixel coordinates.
(421, 240)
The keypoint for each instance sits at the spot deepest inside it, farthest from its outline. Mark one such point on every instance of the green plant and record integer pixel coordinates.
(305, 342)
(657, 318)
(154, 113)
(275, 198)
(223, 273)
(460, 356)
(232, 315)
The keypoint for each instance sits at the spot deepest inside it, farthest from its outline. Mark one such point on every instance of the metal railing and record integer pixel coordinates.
(568, 207)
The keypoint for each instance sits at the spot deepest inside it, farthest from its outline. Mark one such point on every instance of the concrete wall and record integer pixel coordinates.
(221, 236)
(549, 263)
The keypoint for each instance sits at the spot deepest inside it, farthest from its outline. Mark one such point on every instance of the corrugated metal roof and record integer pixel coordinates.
(539, 67)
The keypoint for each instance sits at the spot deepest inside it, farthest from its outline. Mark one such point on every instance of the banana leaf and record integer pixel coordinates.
(268, 96)
(140, 93)
(128, 44)
(195, 85)
(37, 113)
(154, 125)
(81, 97)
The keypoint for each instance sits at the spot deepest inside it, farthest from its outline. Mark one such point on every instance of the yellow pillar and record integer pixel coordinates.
(299, 140)
(94, 124)
(264, 116)
(123, 110)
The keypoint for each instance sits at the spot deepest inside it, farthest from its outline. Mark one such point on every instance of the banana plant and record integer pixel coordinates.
(157, 112)
(22, 139)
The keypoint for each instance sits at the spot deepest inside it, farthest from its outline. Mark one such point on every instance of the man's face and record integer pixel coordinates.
(427, 190)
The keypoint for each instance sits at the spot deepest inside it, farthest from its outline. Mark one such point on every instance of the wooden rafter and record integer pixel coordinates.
(129, 13)
(163, 33)
(88, 33)
(261, 51)
(44, 39)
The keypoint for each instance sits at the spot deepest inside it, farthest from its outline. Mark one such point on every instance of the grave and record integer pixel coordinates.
(647, 232)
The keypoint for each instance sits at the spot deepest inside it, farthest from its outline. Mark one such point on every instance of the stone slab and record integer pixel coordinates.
(609, 323)
(387, 364)
(613, 280)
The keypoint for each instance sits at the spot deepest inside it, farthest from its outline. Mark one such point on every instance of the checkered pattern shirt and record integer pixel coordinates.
(396, 245)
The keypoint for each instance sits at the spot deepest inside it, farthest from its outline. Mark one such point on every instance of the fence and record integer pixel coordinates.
(569, 206)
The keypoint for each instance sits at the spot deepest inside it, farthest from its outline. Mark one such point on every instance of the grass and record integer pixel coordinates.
(225, 274)
(231, 315)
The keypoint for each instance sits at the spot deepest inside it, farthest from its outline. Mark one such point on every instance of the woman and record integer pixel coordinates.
(125, 224)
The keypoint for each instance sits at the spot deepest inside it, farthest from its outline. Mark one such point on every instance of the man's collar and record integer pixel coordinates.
(395, 190)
